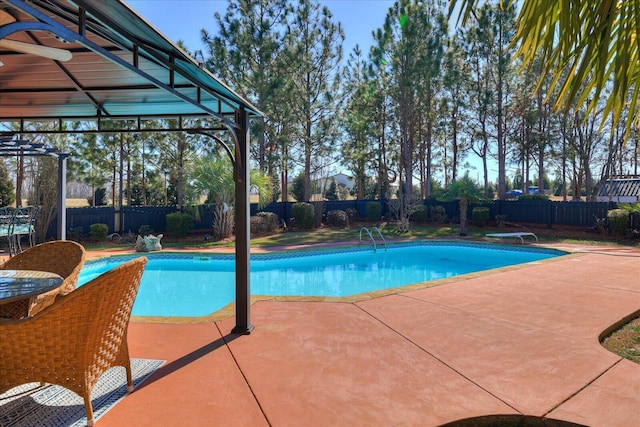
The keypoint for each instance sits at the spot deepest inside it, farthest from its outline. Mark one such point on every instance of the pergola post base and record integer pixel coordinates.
(241, 330)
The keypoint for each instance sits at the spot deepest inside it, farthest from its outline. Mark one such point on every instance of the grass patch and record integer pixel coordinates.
(351, 235)
(625, 342)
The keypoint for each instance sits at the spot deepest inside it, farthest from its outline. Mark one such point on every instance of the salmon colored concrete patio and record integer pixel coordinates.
(519, 341)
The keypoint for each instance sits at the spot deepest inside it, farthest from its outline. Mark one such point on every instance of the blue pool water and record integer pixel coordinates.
(200, 284)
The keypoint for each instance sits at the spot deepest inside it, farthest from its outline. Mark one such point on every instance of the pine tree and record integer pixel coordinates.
(248, 53)
(314, 48)
(7, 195)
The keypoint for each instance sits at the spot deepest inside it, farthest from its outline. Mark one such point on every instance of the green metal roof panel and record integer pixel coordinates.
(121, 66)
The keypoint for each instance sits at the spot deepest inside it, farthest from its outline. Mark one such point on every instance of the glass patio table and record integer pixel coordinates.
(17, 285)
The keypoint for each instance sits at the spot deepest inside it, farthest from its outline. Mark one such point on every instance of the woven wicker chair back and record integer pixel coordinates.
(62, 257)
(75, 340)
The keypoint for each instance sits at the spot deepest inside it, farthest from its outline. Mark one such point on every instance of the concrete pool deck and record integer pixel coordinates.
(521, 341)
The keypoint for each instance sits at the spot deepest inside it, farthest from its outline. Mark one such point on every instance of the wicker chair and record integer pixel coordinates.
(75, 340)
(62, 257)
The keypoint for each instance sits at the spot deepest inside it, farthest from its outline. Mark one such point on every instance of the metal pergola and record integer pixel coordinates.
(11, 147)
(66, 62)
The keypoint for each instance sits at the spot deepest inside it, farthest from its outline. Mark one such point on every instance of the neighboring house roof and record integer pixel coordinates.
(340, 178)
(344, 175)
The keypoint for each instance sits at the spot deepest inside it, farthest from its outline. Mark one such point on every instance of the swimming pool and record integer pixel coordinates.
(201, 284)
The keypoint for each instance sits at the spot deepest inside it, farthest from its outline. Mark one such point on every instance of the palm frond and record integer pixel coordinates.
(591, 50)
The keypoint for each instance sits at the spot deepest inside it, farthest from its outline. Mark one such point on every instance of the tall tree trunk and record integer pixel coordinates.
(454, 138)
(502, 149)
(422, 160)
(361, 179)
(383, 172)
(406, 151)
(144, 177)
(564, 169)
(262, 163)
(635, 159)
(114, 179)
(307, 163)
(284, 172)
(180, 175)
(464, 203)
(429, 144)
(542, 140)
(121, 172)
(129, 173)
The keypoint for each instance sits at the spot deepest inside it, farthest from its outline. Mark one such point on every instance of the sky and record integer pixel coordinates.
(183, 19)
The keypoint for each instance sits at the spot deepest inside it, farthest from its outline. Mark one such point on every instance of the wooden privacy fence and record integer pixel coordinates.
(539, 212)
(551, 213)
(542, 212)
(79, 220)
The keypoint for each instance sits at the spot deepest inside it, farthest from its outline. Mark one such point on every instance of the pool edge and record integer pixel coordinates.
(228, 311)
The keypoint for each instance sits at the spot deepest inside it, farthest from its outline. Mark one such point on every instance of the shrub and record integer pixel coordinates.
(480, 216)
(437, 214)
(318, 212)
(101, 197)
(352, 214)
(7, 195)
(99, 231)
(271, 220)
(75, 233)
(258, 224)
(332, 191)
(619, 221)
(223, 221)
(179, 223)
(500, 220)
(337, 218)
(343, 192)
(533, 197)
(420, 214)
(297, 188)
(374, 211)
(304, 215)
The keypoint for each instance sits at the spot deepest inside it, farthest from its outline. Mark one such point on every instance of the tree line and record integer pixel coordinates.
(420, 108)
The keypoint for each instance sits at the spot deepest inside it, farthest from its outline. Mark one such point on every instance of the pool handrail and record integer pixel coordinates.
(373, 240)
(381, 237)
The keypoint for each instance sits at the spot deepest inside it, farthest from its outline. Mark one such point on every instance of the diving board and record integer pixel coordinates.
(517, 235)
